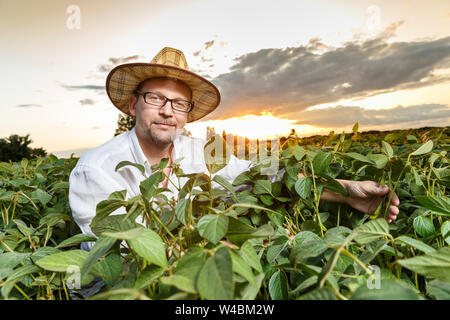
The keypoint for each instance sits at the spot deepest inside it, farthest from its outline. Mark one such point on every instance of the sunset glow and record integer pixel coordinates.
(252, 127)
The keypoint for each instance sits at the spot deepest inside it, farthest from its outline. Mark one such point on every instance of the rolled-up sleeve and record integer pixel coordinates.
(87, 187)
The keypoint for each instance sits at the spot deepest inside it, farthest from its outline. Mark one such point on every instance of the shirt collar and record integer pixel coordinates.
(139, 155)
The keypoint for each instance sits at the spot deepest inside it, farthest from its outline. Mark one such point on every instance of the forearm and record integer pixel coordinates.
(331, 196)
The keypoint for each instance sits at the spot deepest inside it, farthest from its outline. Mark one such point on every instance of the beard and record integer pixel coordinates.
(161, 137)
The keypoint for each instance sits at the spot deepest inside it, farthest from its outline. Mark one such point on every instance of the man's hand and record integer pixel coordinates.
(366, 196)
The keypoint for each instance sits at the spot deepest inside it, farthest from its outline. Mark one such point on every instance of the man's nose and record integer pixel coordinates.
(166, 109)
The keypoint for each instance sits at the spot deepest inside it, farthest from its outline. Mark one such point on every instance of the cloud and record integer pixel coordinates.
(86, 86)
(31, 105)
(209, 44)
(87, 102)
(116, 61)
(287, 81)
(343, 116)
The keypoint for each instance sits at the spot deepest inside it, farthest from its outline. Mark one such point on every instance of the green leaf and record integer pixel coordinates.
(439, 289)
(150, 247)
(163, 163)
(380, 160)
(437, 204)
(224, 183)
(148, 276)
(299, 153)
(324, 293)
(415, 244)
(417, 179)
(53, 218)
(425, 148)
(371, 231)
(6, 167)
(180, 282)
(411, 138)
(128, 163)
(303, 187)
(241, 267)
(358, 157)
(445, 231)
(334, 185)
(216, 154)
(266, 199)
(60, 262)
(43, 252)
(106, 207)
(389, 290)
(213, 227)
(248, 253)
(22, 271)
(387, 149)
(191, 263)
(262, 187)
(181, 210)
(125, 235)
(109, 269)
(148, 186)
(321, 162)
(276, 248)
(75, 240)
(336, 236)
(236, 226)
(304, 236)
(60, 185)
(250, 292)
(42, 196)
(423, 226)
(215, 280)
(12, 259)
(243, 178)
(436, 265)
(278, 286)
(101, 246)
(307, 249)
(113, 223)
(355, 128)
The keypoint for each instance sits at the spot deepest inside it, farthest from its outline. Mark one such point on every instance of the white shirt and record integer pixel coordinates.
(94, 177)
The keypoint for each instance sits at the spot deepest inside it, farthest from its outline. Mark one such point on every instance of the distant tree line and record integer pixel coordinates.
(16, 147)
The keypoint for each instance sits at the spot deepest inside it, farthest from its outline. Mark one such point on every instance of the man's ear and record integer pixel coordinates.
(132, 105)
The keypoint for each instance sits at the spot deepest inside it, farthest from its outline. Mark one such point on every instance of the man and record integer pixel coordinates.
(163, 96)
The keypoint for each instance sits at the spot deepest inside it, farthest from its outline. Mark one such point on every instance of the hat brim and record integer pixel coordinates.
(124, 79)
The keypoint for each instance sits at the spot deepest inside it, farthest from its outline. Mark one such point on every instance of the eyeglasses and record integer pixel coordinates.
(156, 99)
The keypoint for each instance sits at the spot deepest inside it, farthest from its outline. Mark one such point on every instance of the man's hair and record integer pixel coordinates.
(142, 83)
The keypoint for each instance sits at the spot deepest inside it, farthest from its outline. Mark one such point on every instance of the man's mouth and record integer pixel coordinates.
(164, 125)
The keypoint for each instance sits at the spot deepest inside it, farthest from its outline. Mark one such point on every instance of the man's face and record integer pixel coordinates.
(158, 124)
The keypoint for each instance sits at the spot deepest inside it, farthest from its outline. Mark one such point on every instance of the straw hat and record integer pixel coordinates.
(169, 62)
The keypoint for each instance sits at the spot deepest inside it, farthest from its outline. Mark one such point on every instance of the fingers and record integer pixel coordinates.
(395, 200)
(376, 189)
(392, 213)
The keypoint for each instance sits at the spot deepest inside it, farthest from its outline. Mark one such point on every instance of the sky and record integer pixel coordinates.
(314, 66)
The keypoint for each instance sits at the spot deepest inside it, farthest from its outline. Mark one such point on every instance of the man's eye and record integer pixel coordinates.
(181, 104)
(154, 98)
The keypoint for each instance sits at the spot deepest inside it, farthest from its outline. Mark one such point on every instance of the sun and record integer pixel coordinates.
(265, 126)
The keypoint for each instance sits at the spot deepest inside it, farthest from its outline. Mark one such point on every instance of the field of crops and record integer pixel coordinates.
(274, 240)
